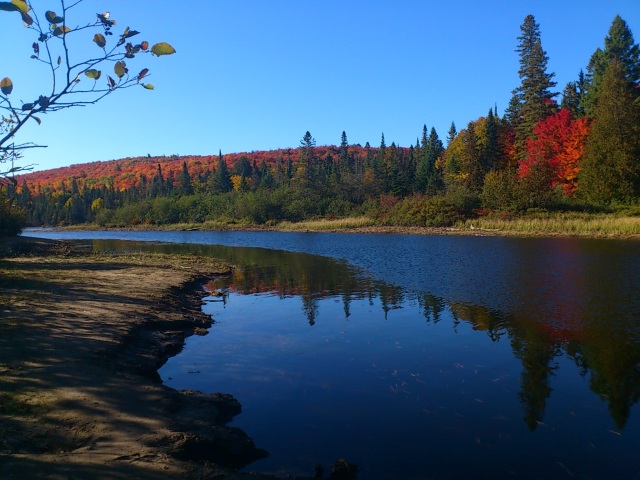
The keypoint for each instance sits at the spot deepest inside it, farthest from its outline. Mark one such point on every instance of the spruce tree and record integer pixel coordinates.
(184, 181)
(610, 168)
(220, 178)
(618, 44)
(532, 101)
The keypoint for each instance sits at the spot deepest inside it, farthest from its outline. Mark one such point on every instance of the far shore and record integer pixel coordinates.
(539, 226)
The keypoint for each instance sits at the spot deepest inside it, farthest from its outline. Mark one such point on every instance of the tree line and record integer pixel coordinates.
(582, 152)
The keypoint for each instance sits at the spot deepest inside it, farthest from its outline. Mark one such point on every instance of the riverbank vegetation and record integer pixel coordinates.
(557, 164)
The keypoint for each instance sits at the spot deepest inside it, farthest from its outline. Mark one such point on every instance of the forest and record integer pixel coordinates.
(578, 150)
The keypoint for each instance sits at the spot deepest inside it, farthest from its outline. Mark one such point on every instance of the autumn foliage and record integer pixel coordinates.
(557, 143)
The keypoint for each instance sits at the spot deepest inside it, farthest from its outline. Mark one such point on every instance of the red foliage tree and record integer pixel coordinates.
(558, 144)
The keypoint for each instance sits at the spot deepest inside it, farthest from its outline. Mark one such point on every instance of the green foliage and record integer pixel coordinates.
(611, 162)
(423, 211)
(12, 218)
(533, 100)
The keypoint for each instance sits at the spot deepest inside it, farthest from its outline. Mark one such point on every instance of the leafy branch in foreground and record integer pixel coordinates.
(72, 82)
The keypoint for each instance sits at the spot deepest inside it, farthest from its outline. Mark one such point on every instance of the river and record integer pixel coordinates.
(419, 356)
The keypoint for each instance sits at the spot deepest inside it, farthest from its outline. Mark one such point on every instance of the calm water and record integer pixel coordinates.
(420, 357)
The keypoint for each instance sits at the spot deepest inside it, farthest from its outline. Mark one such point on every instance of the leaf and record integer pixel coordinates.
(27, 106)
(21, 5)
(144, 45)
(162, 48)
(100, 40)
(59, 60)
(111, 81)
(43, 101)
(52, 17)
(26, 18)
(8, 7)
(148, 86)
(120, 68)
(6, 85)
(142, 73)
(37, 120)
(93, 73)
(36, 48)
(61, 30)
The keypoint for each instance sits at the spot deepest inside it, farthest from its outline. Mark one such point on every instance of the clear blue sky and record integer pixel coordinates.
(256, 75)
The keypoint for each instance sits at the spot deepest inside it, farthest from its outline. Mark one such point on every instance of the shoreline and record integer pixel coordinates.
(81, 340)
(574, 230)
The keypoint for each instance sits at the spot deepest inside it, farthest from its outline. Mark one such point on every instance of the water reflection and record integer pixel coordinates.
(562, 304)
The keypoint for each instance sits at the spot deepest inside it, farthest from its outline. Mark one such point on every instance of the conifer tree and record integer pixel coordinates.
(220, 178)
(618, 44)
(532, 101)
(610, 169)
(451, 134)
(184, 181)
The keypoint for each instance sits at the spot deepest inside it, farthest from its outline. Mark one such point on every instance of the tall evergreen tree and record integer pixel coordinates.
(618, 44)
(451, 134)
(220, 178)
(610, 169)
(307, 158)
(157, 187)
(184, 181)
(533, 100)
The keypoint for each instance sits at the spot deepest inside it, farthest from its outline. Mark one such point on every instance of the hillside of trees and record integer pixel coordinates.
(578, 150)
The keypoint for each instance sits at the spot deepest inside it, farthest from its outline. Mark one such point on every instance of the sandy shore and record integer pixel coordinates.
(81, 339)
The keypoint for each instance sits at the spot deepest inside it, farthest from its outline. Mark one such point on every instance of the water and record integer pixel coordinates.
(420, 357)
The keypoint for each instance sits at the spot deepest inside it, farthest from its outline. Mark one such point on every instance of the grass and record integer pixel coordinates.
(555, 224)
(326, 225)
(623, 224)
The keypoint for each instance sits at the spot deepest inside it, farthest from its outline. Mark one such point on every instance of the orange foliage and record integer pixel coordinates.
(558, 141)
(125, 173)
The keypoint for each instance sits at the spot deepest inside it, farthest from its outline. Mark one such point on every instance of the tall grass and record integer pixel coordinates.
(327, 225)
(578, 224)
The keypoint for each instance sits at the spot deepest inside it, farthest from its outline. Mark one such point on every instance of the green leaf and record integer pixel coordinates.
(93, 73)
(61, 31)
(6, 85)
(100, 40)
(148, 86)
(52, 17)
(120, 68)
(162, 48)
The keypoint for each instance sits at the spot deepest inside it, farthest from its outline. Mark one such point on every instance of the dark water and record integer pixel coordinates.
(421, 357)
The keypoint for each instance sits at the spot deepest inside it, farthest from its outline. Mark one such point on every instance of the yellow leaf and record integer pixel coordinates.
(148, 86)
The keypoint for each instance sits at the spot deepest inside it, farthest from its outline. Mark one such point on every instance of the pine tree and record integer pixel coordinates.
(532, 101)
(610, 169)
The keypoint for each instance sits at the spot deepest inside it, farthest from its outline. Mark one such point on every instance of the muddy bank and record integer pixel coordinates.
(81, 339)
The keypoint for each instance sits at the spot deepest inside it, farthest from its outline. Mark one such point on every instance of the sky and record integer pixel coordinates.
(256, 74)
